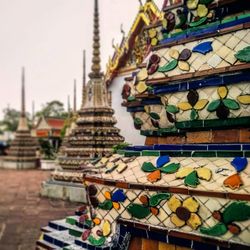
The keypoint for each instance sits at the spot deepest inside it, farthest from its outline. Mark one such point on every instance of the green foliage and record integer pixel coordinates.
(53, 109)
(120, 146)
(243, 55)
(148, 167)
(138, 211)
(156, 199)
(47, 149)
(11, 119)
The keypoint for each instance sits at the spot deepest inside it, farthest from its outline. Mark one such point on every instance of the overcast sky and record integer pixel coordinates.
(47, 37)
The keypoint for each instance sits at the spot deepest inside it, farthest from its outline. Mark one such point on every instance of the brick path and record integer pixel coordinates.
(23, 211)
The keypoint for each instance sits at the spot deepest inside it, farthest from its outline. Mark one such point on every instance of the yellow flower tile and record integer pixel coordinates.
(244, 99)
(183, 172)
(222, 92)
(173, 203)
(174, 53)
(191, 204)
(184, 106)
(194, 221)
(201, 104)
(204, 173)
(202, 10)
(106, 228)
(183, 66)
(141, 87)
(142, 74)
(176, 221)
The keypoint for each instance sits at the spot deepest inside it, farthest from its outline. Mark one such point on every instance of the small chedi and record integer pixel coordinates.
(22, 152)
(93, 133)
(189, 185)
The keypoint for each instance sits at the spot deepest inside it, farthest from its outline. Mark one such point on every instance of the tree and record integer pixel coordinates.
(53, 109)
(11, 119)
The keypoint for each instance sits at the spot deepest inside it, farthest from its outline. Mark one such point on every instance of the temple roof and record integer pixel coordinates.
(50, 123)
(147, 14)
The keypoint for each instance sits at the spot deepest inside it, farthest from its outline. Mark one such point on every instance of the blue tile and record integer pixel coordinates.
(78, 243)
(246, 146)
(157, 236)
(138, 232)
(239, 163)
(179, 241)
(151, 101)
(195, 147)
(62, 228)
(118, 196)
(53, 225)
(167, 147)
(233, 23)
(166, 89)
(135, 109)
(236, 78)
(224, 147)
(139, 148)
(203, 246)
(48, 238)
(203, 48)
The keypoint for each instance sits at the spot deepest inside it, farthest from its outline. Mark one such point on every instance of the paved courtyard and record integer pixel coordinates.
(23, 211)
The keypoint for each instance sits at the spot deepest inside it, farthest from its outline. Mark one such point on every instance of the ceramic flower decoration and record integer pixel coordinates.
(154, 117)
(234, 181)
(153, 64)
(243, 55)
(191, 176)
(184, 212)
(178, 59)
(153, 36)
(171, 110)
(112, 200)
(162, 166)
(236, 211)
(223, 105)
(149, 205)
(193, 104)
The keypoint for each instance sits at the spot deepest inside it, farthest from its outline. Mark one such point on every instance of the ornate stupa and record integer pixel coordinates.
(94, 134)
(22, 152)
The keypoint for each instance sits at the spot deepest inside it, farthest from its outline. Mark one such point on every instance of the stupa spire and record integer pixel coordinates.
(84, 69)
(96, 60)
(23, 93)
(74, 105)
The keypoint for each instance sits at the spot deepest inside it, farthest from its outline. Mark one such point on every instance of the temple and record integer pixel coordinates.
(22, 152)
(188, 186)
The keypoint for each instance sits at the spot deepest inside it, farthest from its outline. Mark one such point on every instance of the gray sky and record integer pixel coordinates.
(47, 37)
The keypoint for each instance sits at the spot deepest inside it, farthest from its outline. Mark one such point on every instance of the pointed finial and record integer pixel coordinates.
(140, 2)
(122, 31)
(74, 108)
(23, 93)
(96, 67)
(68, 104)
(84, 69)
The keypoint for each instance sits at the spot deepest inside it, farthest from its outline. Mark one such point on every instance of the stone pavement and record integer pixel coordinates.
(23, 211)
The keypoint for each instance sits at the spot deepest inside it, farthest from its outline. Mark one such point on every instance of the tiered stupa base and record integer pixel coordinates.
(145, 191)
(22, 152)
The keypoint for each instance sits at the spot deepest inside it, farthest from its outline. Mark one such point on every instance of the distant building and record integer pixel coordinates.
(49, 128)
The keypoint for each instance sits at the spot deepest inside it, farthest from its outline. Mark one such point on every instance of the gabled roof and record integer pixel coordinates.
(148, 14)
(50, 123)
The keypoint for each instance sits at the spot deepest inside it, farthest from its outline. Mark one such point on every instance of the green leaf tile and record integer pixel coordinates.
(106, 205)
(231, 104)
(172, 109)
(192, 179)
(96, 242)
(155, 200)
(148, 167)
(213, 105)
(168, 66)
(138, 211)
(170, 168)
(217, 230)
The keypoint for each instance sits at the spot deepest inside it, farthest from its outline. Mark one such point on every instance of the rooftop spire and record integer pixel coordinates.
(74, 107)
(23, 93)
(84, 69)
(96, 67)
